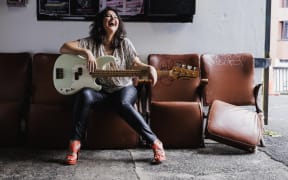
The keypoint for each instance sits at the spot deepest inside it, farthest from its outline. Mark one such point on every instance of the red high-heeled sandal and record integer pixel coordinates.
(159, 153)
(73, 153)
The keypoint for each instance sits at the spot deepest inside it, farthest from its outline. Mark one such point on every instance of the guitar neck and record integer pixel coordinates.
(119, 73)
(125, 73)
(163, 73)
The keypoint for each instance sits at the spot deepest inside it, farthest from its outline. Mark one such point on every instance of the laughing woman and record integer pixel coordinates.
(108, 37)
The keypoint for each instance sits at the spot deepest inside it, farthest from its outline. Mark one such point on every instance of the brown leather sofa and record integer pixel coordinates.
(50, 116)
(33, 113)
(15, 79)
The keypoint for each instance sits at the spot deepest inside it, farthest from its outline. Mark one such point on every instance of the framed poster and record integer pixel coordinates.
(86, 9)
(124, 7)
(129, 10)
(66, 9)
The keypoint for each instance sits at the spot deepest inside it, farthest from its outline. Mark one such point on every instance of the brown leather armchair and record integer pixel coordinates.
(175, 111)
(15, 73)
(231, 85)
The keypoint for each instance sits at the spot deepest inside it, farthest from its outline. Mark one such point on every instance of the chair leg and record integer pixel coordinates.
(262, 142)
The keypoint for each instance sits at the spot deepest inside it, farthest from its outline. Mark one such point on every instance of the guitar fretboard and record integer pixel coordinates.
(119, 73)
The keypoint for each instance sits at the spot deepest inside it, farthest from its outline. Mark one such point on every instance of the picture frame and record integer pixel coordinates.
(67, 10)
(129, 10)
(124, 7)
(16, 2)
(85, 10)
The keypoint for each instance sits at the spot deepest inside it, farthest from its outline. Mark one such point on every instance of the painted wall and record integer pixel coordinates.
(220, 26)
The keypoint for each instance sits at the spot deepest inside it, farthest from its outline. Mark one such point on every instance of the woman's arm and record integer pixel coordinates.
(72, 47)
(152, 71)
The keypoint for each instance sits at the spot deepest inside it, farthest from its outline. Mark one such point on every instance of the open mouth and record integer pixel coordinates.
(111, 23)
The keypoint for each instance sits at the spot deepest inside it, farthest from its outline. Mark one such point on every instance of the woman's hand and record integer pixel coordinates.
(91, 61)
(152, 71)
(72, 47)
(153, 75)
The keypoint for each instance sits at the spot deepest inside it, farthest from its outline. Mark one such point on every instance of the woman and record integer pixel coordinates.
(108, 37)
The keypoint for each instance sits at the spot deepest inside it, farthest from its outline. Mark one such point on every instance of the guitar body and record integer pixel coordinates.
(70, 73)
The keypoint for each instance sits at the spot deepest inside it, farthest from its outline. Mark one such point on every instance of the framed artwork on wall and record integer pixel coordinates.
(66, 9)
(86, 9)
(16, 2)
(129, 10)
(124, 7)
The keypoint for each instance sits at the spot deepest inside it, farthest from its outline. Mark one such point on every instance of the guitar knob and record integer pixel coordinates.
(189, 67)
(178, 64)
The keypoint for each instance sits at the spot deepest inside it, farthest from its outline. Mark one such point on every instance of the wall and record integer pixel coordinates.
(220, 26)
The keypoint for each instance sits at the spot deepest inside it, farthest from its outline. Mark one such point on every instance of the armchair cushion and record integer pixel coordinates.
(178, 124)
(234, 125)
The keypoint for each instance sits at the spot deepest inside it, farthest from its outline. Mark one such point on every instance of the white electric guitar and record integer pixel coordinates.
(70, 73)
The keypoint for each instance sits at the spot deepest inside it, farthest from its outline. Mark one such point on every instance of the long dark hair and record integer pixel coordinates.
(97, 31)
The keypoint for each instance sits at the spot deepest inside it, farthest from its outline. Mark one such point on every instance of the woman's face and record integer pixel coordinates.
(111, 22)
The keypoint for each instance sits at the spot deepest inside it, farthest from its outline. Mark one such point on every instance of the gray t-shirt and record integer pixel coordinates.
(124, 56)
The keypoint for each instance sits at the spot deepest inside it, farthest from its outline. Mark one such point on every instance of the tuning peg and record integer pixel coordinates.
(189, 67)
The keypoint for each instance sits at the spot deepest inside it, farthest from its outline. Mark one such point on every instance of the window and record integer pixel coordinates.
(283, 61)
(285, 4)
(284, 35)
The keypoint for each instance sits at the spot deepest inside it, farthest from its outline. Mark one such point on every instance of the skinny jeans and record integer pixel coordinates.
(122, 101)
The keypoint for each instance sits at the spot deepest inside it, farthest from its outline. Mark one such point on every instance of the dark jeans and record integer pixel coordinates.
(122, 101)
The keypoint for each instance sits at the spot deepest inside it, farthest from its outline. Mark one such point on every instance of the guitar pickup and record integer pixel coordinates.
(80, 71)
(59, 73)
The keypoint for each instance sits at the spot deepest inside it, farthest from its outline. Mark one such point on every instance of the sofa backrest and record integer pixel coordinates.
(15, 74)
(43, 90)
(230, 78)
(169, 89)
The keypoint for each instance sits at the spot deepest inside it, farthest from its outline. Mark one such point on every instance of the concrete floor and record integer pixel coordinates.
(215, 161)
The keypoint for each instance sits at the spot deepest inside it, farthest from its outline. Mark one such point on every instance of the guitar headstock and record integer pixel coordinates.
(182, 71)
